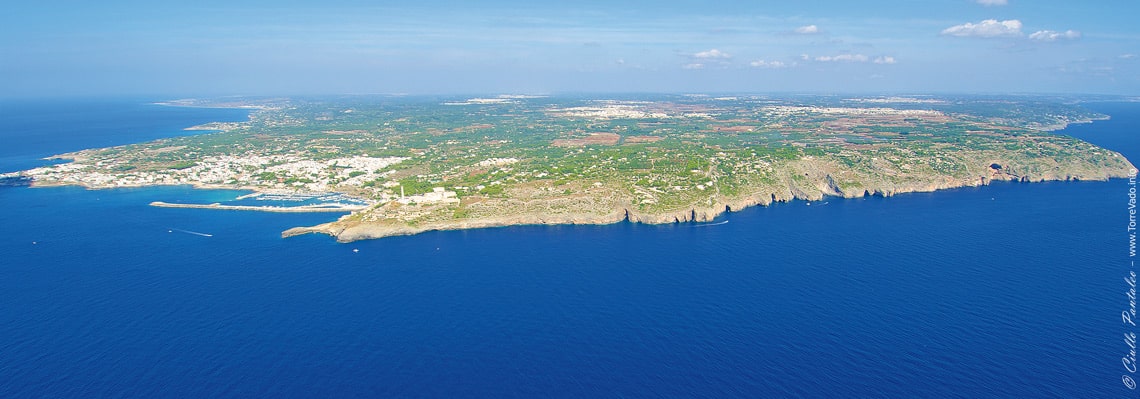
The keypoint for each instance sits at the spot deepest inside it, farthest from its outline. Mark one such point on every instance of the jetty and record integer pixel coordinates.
(283, 209)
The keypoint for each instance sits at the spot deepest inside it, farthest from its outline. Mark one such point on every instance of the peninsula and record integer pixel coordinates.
(417, 164)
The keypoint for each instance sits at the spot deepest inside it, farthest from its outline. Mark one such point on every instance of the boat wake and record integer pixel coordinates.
(189, 232)
(711, 224)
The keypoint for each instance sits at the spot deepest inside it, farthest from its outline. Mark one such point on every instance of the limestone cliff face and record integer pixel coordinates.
(810, 180)
(348, 230)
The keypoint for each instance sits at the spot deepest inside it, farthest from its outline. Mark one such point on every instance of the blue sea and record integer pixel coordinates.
(1010, 290)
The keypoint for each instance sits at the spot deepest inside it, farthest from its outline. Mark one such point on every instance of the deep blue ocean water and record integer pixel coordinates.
(35, 129)
(1011, 290)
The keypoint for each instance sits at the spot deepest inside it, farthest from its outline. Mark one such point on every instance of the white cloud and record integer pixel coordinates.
(694, 65)
(882, 60)
(807, 29)
(620, 61)
(843, 58)
(1050, 36)
(712, 54)
(1127, 56)
(988, 3)
(768, 64)
(987, 28)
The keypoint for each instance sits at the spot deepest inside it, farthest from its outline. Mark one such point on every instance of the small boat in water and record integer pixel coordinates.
(190, 232)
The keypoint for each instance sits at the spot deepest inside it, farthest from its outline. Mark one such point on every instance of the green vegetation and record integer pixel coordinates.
(412, 186)
(657, 155)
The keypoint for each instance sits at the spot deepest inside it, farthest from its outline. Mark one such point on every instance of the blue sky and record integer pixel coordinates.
(59, 48)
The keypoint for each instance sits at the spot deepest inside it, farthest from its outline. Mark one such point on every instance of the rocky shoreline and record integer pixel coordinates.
(345, 230)
(348, 229)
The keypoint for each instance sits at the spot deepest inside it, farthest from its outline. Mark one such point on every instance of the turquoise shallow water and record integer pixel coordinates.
(1012, 290)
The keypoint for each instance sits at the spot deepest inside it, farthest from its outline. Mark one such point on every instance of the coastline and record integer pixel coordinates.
(195, 185)
(1062, 126)
(189, 103)
(345, 231)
